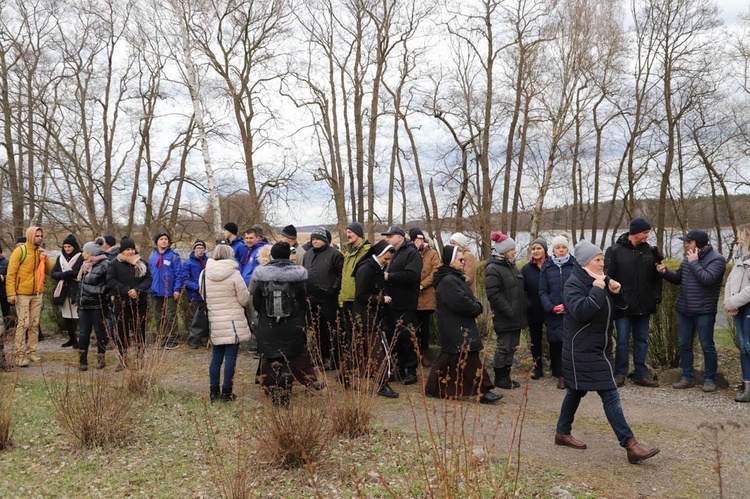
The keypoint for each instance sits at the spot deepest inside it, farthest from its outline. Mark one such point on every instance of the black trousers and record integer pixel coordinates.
(322, 318)
(406, 340)
(89, 318)
(423, 327)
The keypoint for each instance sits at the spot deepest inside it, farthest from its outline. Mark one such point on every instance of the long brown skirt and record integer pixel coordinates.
(300, 366)
(457, 376)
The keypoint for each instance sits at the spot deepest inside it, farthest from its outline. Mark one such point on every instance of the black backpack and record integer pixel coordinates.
(279, 299)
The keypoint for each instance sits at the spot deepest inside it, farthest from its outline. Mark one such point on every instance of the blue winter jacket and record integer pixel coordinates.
(551, 286)
(191, 272)
(240, 251)
(166, 273)
(251, 260)
(700, 282)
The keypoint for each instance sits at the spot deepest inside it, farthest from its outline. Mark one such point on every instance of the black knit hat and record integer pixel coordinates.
(199, 242)
(357, 228)
(231, 227)
(110, 240)
(126, 243)
(289, 231)
(638, 225)
(415, 232)
(71, 240)
(161, 234)
(281, 251)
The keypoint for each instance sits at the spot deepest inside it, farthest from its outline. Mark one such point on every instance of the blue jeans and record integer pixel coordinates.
(639, 324)
(227, 354)
(612, 409)
(687, 325)
(742, 324)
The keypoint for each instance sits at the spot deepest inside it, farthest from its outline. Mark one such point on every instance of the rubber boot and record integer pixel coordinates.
(83, 361)
(21, 360)
(638, 452)
(214, 394)
(227, 395)
(100, 361)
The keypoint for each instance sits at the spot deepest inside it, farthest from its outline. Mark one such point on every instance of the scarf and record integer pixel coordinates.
(65, 266)
(539, 262)
(135, 261)
(592, 274)
(561, 261)
(89, 264)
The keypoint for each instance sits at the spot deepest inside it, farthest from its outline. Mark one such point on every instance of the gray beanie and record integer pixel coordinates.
(93, 249)
(506, 244)
(585, 252)
(541, 242)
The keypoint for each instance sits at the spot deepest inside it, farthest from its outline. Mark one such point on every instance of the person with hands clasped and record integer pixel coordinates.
(589, 300)
(699, 276)
(737, 305)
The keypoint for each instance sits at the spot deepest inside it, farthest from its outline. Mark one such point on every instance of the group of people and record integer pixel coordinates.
(381, 297)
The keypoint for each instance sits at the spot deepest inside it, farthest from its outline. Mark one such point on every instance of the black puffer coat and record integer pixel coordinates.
(634, 267)
(531, 274)
(323, 273)
(700, 282)
(404, 277)
(94, 289)
(505, 291)
(286, 337)
(587, 340)
(457, 308)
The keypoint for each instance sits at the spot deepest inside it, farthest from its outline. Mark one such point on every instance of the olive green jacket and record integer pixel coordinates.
(351, 257)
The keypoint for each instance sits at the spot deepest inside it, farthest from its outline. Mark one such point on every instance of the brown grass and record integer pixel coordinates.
(93, 409)
(7, 397)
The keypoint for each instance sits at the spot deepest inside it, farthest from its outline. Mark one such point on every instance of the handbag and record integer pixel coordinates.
(200, 327)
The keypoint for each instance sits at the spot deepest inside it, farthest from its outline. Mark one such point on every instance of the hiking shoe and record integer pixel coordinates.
(649, 383)
(684, 383)
(709, 386)
(171, 345)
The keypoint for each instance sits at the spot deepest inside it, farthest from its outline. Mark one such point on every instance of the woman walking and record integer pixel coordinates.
(589, 300)
(92, 302)
(226, 295)
(65, 296)
(458, 371)
(555, 272)
(531, 273)
(130, 281)
(505, 292)
(737, 305)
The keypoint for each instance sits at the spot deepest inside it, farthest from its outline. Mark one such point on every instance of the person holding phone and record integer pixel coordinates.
(699, 277)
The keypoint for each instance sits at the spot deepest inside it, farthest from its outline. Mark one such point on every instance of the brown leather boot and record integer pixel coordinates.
(638, 452)
(569, 441)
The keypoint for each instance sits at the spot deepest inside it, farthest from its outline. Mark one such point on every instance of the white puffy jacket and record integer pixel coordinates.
(226, 295)
(737, 289)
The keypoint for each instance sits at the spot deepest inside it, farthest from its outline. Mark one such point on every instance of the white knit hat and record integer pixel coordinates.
(560, 240)
(460, 239)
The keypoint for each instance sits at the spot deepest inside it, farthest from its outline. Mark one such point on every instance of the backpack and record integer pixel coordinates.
(278, 299)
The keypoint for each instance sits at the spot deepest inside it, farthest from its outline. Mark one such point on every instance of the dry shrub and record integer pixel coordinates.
(351, 403)
(93, 409)
(293, 437)
(7, 397)
(454, 451)
(230, 462)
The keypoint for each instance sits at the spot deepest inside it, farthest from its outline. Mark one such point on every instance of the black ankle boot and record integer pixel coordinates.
(83, 361)
(214, 394)
(538, 370)
(227, 395)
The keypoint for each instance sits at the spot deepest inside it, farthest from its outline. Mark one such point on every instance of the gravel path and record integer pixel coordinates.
(672, 420)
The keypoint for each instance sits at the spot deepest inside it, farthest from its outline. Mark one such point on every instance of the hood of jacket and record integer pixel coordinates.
(30, 234)
(218, 270)
(280, 271)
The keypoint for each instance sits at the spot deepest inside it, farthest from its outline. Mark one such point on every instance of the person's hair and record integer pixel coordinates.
(743, 236)
(251, 230)
(264, 255)
(222, 252)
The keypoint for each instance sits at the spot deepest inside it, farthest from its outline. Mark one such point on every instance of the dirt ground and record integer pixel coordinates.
(690, 427)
